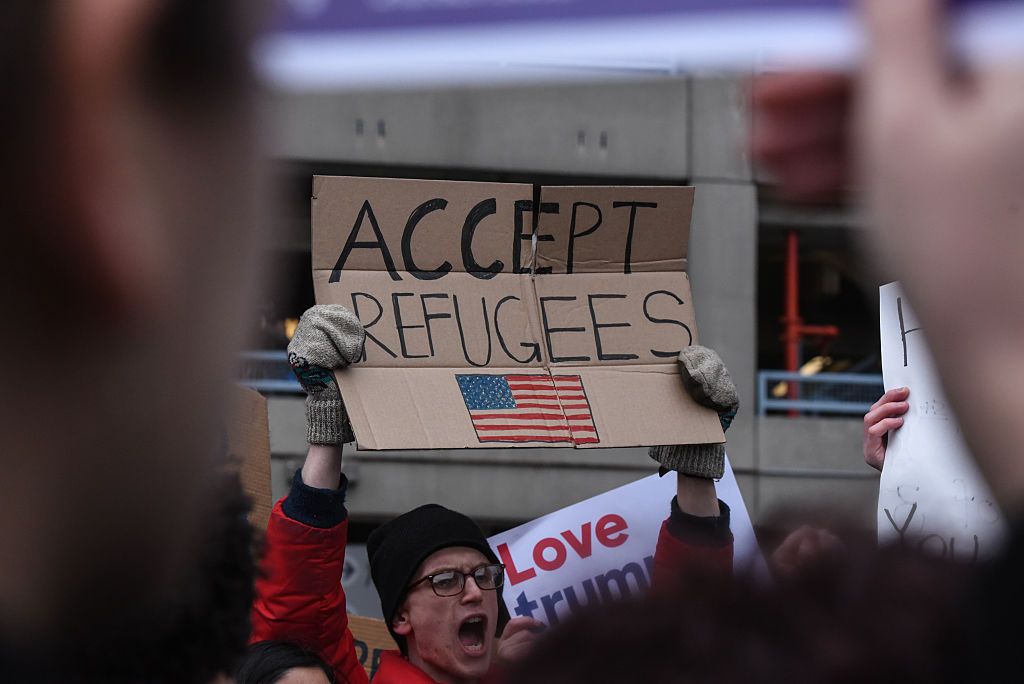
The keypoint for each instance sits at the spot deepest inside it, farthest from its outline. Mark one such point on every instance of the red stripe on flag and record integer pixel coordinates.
(524, 438)
(559, 428)
(529, 387)
(519, 416)
(544, 378)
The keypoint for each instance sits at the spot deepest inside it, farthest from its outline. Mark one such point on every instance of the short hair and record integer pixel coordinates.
(266, 662)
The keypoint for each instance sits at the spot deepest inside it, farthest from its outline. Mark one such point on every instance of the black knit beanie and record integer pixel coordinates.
(397, 548)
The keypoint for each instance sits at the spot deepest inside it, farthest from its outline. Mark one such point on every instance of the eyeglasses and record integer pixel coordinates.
(453, 582)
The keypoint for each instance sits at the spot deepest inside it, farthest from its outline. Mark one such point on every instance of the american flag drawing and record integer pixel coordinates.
(529, 408)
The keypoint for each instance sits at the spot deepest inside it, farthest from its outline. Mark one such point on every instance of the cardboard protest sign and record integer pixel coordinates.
(602, 548)
(495, 318)
(931, 493)
(248, 434)
(372, 638)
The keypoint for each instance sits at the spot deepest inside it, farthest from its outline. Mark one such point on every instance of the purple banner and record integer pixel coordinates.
(332, 16)
(322, 44)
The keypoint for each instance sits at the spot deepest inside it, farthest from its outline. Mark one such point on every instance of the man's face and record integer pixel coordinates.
(450, 637)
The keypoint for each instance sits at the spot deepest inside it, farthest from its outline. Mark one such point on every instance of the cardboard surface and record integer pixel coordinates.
(490, 324)
(249, 449)
(372, 638)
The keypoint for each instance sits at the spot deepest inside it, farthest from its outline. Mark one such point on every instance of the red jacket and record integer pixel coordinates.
(299, 597)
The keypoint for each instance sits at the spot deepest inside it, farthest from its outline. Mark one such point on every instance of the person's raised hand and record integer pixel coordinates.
(517, 640)
(707, 381)
(328, 337)
(802, 546)
(885, 415)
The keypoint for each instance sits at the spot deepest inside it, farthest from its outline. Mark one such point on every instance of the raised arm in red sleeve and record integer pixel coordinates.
(299, 597)
(686, 540)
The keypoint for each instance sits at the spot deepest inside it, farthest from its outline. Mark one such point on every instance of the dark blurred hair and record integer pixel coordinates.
(268, 661)
(891, 616)
(26, 75)
(192, 640)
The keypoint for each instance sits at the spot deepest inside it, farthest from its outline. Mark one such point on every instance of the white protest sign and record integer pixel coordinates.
(602, 548)
(931, 494)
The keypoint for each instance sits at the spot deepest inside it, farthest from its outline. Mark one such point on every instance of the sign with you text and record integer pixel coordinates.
(931, 494)
(503, 315)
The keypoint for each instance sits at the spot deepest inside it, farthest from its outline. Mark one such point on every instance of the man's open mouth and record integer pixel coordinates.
(473, 634)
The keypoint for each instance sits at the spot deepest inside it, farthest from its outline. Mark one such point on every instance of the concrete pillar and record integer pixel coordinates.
(723, 262)
(723, 246)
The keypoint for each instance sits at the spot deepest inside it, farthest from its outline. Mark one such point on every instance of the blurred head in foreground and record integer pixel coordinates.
(196, 636)
(127, 181)
(857, 616)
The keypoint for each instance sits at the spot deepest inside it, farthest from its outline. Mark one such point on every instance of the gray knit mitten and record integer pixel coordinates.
(707, 381)
(328, 337)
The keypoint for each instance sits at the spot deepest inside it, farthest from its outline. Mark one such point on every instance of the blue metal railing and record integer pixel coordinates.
(823, 393)
(268, 371)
